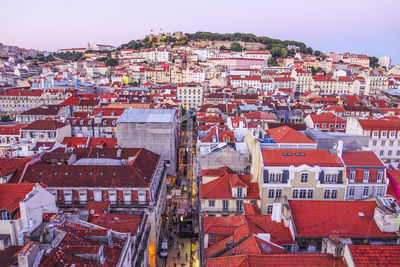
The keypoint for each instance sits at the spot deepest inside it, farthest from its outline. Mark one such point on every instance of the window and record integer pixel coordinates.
(310, 193)
(327, 178)
(384, 133)
(278, 193)
(271, 193)
(272, 177)
(82, 196)
(351, 192)
(334, 194)
(303, 193)
(113, 196)
(373, 143)
(97, 195)
(365, 192)
(391, 143)
(379, 193)
(334, 178)
(383, 143)
(327, 194)
(278, 177)
(127, 197)
(5, 215)
(239, 205)
(398, 153)
(225, 205)
(269, 209)
(389, 152)
(392, 134)
(141, 196)
(211, 203)
(375, 133)
(381, 153)
(304, 177)
(295, 193)
(365, 176)
(240, 192)
(352, 175)
(212, 238)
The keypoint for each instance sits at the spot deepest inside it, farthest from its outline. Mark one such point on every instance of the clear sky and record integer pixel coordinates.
(370, 27)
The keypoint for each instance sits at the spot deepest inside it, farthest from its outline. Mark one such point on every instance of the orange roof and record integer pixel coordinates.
(393, 125)
(217, 172)
(285, 260)
(297, 157)
(361, 158)
(286, 134)
(326, 117)
(375, 255)
(314, 218)
(235, 228)
(12, 194)
(75, 141)
(11, 129)
(221, 188)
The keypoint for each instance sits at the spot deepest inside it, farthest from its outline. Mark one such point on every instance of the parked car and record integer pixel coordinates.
(164, 248)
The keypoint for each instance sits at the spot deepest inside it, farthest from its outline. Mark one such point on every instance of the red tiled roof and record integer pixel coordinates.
(45, 125)
(251, 209)
(322, 218)
(11, 129)
(108, 111)
(286, 134)
(217, 172)
(387, 125)
(123, 223)
(259, 115)
(375, 255)
(16, 165)
(98, 207)
(238, 228)
(138, 173)
(297, 157)
(104, 142)
(221, 188)
(9, 256)
(284, 260)
(75, 141)
(12, 194)
(326, 117)
(361, 158)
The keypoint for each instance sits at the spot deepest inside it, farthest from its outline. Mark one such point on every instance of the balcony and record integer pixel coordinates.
(224, 211)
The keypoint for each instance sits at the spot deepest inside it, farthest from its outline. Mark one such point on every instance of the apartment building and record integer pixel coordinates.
(384, 136)
(191, 95)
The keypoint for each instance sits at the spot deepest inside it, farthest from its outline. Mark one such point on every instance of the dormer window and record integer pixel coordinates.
(379, 176)
(81, 122)
(5, 215)
(240, 192)
(104, 122)
(352, 175)
(365, 176)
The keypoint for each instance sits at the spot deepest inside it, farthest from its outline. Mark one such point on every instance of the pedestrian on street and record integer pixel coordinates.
(186, 255)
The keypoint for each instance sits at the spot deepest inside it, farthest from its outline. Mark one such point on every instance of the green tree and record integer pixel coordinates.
(111, 62)
(373, 62)
(6, 117)
(223, 48)
(317, 53)
(272, 62)
(235, 46)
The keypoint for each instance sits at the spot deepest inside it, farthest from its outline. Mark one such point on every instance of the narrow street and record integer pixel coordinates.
(180, 209)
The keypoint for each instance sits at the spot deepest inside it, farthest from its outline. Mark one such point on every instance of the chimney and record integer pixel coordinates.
(277, 210)
(340, 148)
(386, 214)
(27, 254)
(119, 151)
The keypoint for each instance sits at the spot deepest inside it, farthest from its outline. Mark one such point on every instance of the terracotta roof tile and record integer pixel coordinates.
(323, 218)
(371, 255)
(297, 157)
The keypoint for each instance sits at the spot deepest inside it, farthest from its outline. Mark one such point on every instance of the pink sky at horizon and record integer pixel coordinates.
(368, 27)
